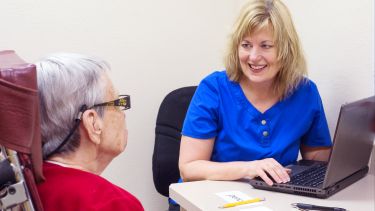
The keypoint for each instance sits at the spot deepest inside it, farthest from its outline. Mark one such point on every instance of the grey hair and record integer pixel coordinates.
(66, 81)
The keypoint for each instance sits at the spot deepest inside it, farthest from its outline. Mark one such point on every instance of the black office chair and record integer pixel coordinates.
(169, 122)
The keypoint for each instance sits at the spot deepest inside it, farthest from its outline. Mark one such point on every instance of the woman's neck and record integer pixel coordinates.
(261, 95)
(77, 162)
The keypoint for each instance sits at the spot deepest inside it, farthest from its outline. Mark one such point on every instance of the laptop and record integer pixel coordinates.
(349, 158)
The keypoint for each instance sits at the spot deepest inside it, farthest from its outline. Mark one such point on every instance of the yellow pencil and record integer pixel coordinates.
(242, 202)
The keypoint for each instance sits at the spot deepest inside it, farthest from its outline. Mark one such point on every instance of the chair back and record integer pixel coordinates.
(169, 122)
(20, 139)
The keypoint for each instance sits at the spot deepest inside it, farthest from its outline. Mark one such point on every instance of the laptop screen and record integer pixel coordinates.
(353, 140)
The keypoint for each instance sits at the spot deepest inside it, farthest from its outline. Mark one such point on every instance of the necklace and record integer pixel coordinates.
(65, 165)
(58, 163)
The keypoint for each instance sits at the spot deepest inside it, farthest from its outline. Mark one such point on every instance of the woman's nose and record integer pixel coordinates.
(254, 54)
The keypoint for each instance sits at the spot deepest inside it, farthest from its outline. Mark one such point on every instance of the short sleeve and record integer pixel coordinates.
(318, 133)
(201, 119)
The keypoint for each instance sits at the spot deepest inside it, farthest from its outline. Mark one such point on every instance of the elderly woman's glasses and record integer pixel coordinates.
(123, 102)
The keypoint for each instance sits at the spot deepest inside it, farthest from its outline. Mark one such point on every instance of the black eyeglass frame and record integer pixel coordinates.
(123, 101)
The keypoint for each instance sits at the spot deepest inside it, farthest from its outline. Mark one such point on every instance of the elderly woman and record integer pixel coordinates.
(83, 128)
(253, 118)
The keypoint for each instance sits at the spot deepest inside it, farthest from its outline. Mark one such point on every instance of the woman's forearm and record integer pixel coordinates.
(209, 170)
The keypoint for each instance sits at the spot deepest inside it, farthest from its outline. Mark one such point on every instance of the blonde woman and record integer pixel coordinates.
(253, 118)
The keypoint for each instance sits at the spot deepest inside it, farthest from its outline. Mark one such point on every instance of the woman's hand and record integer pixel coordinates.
(195, 165)
(269, 170)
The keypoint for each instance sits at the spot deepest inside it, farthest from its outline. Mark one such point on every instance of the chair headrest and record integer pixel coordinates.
(19, 113)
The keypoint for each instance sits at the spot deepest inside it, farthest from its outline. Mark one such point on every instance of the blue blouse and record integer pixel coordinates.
(220, 109)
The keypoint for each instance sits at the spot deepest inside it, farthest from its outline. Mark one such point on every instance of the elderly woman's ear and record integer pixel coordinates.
(92, 125)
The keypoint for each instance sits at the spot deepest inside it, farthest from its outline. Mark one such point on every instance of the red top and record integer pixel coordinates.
(68, 189)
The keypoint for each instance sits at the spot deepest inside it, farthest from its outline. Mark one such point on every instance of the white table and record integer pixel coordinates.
(200, 195)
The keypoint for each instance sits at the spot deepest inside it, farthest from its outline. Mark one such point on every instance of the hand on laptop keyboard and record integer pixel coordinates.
(270, 171)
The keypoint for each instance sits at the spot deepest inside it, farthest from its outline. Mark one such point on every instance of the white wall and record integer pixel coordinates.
(157, 46)
(338, 38)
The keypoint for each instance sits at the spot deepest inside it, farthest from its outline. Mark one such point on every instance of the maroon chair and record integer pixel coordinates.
(20, 140)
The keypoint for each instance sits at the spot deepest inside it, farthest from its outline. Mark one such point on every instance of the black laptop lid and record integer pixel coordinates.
(353, 140)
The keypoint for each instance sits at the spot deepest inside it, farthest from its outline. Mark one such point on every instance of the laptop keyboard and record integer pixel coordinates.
(312, 177)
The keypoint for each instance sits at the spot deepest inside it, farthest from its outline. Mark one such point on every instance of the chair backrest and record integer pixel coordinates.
(169, 122)
(20, 140)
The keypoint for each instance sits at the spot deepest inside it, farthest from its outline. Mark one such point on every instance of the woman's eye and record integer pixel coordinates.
(267, 46)
(245, 45)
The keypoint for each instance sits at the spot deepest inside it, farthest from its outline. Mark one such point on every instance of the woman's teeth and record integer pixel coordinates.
(257, 68)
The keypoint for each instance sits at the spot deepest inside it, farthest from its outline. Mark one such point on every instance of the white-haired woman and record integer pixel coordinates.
(83, 128)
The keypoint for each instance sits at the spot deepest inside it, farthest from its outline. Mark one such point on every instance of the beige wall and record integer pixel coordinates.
(157, 46)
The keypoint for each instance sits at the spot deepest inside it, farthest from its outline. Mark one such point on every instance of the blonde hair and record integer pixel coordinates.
(258, 14)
